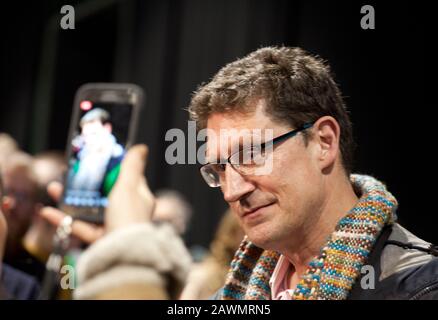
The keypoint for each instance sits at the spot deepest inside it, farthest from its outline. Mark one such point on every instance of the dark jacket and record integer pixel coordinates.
(405, 268)
(15, 284)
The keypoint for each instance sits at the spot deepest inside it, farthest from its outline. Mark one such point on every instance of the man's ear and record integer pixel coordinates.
(327, 133)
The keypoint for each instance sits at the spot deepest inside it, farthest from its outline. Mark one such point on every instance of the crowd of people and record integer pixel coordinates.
(27, 231)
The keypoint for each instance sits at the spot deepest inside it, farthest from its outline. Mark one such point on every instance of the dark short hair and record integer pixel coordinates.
(297, 86)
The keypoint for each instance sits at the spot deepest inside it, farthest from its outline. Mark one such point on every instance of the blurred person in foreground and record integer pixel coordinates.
(20, 205)
(14, 284)
(48, 166)
(312, 227)
(208, 276)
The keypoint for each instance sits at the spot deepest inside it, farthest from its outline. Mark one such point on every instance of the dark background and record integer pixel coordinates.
(170, 47)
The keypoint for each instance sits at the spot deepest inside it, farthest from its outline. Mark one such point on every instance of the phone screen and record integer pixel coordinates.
(97, 147)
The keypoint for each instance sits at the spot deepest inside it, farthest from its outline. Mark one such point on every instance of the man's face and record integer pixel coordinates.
(92, 128)
(19, 204)
(278, 207)
(94, 132)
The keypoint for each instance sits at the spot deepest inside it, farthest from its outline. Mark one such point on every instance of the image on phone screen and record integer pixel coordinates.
(98, 146)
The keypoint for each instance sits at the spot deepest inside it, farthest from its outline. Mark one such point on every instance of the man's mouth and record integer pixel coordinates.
(255, 210)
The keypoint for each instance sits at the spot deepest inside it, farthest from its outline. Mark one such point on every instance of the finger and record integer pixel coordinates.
(52, 215)
(133, 165)
(86, 232)
(55, 189)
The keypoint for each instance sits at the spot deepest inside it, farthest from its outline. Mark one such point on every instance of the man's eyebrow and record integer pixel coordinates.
(255, 140)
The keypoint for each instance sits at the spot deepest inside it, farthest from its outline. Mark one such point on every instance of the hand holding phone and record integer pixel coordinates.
(130, 202)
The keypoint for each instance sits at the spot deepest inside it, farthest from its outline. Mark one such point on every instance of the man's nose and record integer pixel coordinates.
(235, 186)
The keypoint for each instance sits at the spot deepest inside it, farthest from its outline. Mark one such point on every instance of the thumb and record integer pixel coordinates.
(133, 165)
(131, 200)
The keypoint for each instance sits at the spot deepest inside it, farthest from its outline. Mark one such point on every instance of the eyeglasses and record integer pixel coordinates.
(246, 161)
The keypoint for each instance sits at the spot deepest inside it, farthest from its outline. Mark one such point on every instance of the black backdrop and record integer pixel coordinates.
(170, 47)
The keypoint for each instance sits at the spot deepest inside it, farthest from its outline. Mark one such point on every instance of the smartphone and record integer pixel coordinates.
(103, 126)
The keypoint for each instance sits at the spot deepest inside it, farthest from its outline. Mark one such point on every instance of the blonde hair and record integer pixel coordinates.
(225, 242)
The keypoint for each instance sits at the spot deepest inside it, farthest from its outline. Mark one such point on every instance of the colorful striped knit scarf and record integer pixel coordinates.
(331, 274)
